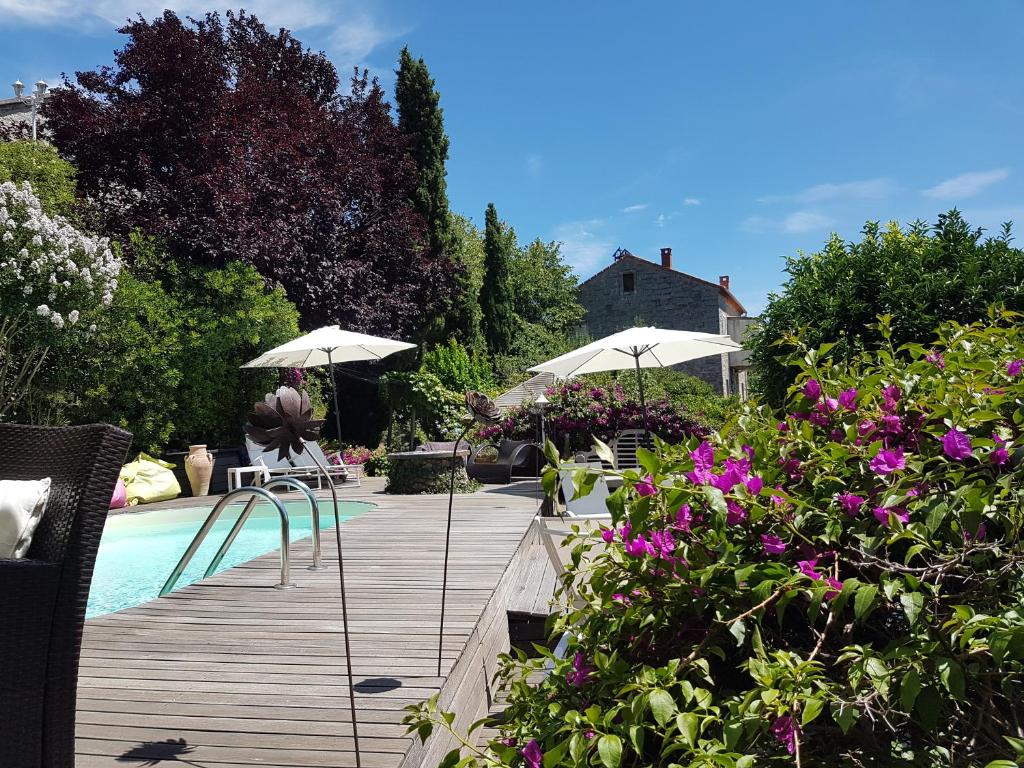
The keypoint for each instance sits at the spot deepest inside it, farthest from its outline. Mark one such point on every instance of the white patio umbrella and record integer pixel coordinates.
(327, 346)
(638, 348)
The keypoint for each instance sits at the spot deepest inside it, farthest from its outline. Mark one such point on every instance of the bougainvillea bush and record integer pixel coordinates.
(839, 586)
(578, 412)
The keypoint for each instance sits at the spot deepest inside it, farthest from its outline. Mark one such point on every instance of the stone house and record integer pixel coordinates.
(633, 291)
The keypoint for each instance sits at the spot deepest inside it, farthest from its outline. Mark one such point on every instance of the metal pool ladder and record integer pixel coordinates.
(254, 493)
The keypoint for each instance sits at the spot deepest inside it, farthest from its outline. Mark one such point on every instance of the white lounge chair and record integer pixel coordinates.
(585, 506)
(301, 466)
(624, 446)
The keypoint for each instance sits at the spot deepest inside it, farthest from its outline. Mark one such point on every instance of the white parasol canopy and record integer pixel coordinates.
(326, 346)
(638, 348)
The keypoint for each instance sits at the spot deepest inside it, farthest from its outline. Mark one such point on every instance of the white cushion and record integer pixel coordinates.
(22, 503)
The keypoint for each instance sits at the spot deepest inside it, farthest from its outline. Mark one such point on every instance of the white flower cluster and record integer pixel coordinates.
(48, 258)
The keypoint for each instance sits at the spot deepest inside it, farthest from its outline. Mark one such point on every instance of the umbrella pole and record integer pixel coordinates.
(640, 387)
(341, 569)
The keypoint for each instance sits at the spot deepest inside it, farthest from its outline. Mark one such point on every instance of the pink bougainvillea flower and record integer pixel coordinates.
(511, 741)
(812, 390)
(684, 518)
(837, 587)
(848, 399)
(703, 457)
(773, 545)
(578, 675)
(785, 730)
(807, 568)
(882, 515)
(621, 598)
(588, 735)
(886, 462)
(639, 546)
(735, 514)
(533, 755)
(1014, 367)
(892, 425)
(978, 535)
(866, 427)
(957, 445)
(818, 419)
(754, 485)
(664, 544)
(999, 455)
(782, 426)
(850, 502)
(935, 357)
(831, 404)
(646, 487)
(891, 395)
(608, 534)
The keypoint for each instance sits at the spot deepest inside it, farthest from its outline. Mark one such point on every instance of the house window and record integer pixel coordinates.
(628, 282)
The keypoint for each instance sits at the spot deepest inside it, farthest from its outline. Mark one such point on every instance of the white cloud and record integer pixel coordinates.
(585, 245)
(868, 189)
(535, 165)
(966, 184)
(691, 201)
(660, 221)
(634, 208)
(352, 34)
(795, 223)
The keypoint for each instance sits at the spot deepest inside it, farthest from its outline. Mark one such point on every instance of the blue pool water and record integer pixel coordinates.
(138, 550)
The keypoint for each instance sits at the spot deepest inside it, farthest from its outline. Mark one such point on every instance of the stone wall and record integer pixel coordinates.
(661, 297)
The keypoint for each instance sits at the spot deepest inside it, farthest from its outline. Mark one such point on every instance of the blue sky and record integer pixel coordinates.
(734, 132)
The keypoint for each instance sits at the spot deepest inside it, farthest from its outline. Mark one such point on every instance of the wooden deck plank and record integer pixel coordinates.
(231, 673)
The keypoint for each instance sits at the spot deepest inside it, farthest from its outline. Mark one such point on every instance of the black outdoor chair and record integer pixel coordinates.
(516, 458)
(43, 596)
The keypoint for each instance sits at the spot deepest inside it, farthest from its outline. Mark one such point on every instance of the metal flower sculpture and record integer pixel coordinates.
(282, 421)
(482, 409)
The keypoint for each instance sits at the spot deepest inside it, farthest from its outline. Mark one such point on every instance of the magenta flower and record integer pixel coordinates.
(999, 455)
(807, 568)
(891, 394)
(851, 503)
(978, 535)
(510, 741)
(608, 534)
(882, 515)
(664, 544)
(588, 735)
(785, 730)
(578, 675)
(703, 462)
(646, 487)
(1014, 368)
(935, 357)
(818, 419)
(866, 427)
(684, 518)
(736, 514)
(886, 462)
(773, 545)
(957, 445)
(639, 547)
(533, 756)
(837, 587)
(783, 426)
(812, 390)
(621, 598)
(848, 399)
(754, 485)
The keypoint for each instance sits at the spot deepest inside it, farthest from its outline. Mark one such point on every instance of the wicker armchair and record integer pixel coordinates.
(43, 596)
(516, 458)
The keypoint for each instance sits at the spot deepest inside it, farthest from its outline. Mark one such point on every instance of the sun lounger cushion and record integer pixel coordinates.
(22, 504)
(147, 479)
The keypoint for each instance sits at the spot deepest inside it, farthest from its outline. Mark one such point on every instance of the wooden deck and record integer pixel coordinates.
(231, 672)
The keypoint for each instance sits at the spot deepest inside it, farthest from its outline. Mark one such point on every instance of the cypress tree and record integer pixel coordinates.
(498, 320)
(421, 119)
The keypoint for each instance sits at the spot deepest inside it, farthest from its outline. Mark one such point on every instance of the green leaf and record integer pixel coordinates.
(609, 748)
(910, 686)
(663, 706)
(864, 600)
(952, 676)
(1001, 764)
(912, 603)
(738, 629)
(812, 708)
(688, 726)
(604, 452)
(648, 460)
(927, 707)
(845, 716)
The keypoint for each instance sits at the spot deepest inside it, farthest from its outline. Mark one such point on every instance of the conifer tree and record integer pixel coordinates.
(498, 320)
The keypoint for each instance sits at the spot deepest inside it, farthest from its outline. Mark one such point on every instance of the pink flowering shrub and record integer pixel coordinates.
(579, 412)
(837, 586)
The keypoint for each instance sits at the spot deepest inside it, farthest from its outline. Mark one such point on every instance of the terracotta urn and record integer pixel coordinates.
(199, 469)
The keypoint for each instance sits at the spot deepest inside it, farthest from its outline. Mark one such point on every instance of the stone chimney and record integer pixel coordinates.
(723, 280)
(666, 258)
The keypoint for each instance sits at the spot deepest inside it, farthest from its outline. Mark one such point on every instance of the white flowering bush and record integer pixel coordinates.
(48, 268)
(54, 280)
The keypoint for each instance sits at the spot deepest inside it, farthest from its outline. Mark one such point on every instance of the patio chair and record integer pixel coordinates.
(338, 472)
(593, 504)
(553, 532)
(43, 595)
(516, 458)
(624, 447)
(300, 467)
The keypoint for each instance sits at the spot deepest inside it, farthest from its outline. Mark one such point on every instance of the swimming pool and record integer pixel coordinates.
(138, 550)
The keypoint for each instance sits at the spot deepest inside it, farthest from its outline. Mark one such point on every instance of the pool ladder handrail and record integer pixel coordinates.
(252, 492)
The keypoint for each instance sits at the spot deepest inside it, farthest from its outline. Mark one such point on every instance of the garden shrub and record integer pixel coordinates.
(840, 585)
(421, 397)
(458, 369)
(579, 411)
(52, 178)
